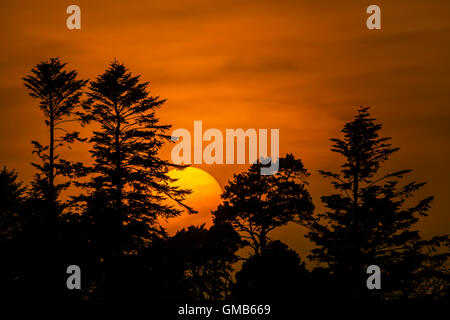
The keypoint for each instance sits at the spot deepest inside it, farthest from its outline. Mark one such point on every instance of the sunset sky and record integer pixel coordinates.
(302, 67)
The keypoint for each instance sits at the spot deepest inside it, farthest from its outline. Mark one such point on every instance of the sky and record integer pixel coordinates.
(302, 67)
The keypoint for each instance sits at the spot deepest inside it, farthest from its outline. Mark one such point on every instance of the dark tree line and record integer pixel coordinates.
(110, 226)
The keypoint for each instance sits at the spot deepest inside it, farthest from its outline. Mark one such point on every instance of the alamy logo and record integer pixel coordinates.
(374, 20)
(74, 20)
(74, 280)
(214, 151)
(374, 280)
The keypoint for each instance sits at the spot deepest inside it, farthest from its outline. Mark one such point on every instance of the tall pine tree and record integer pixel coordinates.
(43, 241)
(370, 220)
(58, 91)
(129, 180)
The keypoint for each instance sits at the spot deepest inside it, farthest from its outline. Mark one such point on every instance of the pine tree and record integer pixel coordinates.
(128, 175)
(44, 243)
(256, 204)
(12, 197)
(59, 92)
(369, 219)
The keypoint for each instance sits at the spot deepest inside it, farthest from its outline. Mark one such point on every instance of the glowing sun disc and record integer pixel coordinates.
(204, 198)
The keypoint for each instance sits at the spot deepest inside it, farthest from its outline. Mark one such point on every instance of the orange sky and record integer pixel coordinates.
(300, 66)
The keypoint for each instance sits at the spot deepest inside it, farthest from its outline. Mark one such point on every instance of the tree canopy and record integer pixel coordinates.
(256, 204)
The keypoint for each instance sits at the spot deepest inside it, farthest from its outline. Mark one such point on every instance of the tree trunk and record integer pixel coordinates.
(262, 240)
(118, 185)
(51, 174)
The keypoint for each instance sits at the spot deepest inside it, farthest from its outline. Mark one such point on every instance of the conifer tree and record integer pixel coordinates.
(58, 91)
(12, 195)
(128, 175)
(369, 220)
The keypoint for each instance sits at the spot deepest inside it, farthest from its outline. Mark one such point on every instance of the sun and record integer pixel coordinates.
(204, 198)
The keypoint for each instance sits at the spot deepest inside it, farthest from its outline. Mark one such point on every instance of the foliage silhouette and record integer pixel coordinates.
(369, 220)
(12, 196)
(256, 204)
(128, 176)
(41, 246)
(208, 256)
(59, 92)
(276, 274)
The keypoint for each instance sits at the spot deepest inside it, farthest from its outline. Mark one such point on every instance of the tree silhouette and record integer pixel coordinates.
(369, 219)
(34, 254)
(128, 178)
(256, 204)
(12, 197)
(276, 274)
(58, 92)
(43, 242)
(208, 256)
